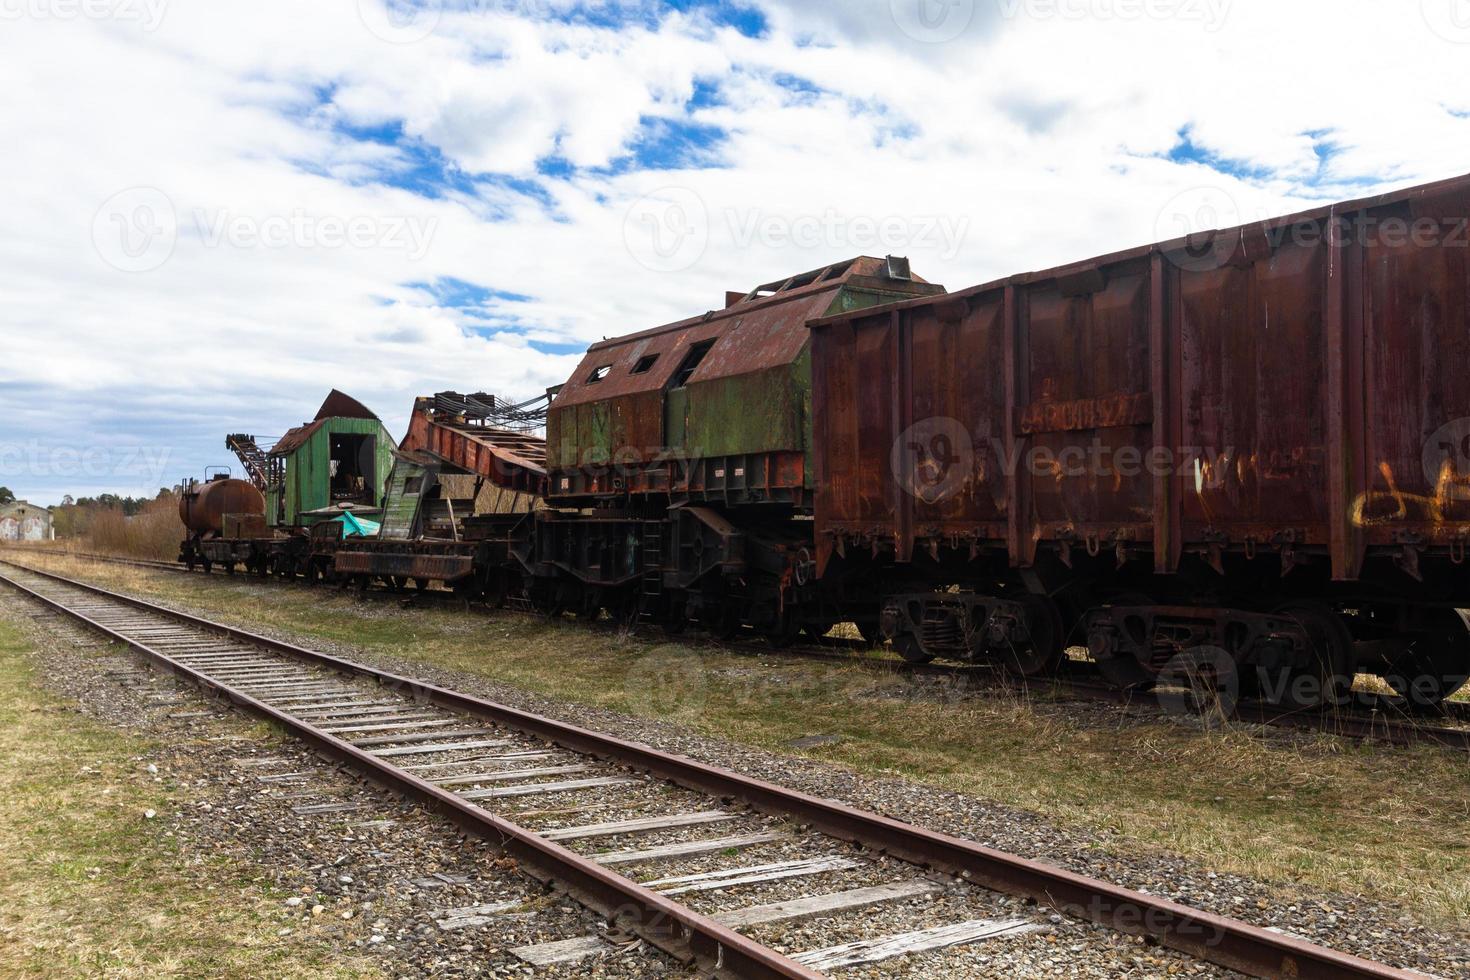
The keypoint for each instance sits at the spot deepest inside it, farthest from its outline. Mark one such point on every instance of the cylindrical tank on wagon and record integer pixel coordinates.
(203, 508)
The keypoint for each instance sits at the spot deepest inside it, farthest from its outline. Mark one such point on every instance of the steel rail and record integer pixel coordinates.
(689, 937)
(1213, 938)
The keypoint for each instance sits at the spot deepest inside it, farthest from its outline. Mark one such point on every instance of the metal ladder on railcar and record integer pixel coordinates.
(651, 588)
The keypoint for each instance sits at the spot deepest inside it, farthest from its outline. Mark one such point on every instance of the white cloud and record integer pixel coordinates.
(1043, 136)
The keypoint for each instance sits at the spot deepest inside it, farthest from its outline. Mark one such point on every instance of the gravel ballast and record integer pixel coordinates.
(305, 850)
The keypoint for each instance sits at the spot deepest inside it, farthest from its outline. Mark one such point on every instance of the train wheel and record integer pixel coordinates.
(207, 565)
(1201, 682)
(497, 586)
(817, 632)
(726, 621)
(549, 604)
(625, 608)
(467, 589)
(869, 630)
(676, 620)
(1327, 678)
(911, 649)
(1434, 665)
(783, 632)
(1042, 651)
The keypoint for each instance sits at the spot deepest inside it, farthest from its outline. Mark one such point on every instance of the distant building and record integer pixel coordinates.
(22, 521)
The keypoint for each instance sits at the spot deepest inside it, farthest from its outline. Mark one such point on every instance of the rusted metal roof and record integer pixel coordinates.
(295, 438)
(336, 406)
(343, 406)
(760, 329)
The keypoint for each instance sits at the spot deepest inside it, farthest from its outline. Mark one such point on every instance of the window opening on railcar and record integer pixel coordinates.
(351, 469)
(837, 271)
(598, 373)
(645, 364)
(691, 363)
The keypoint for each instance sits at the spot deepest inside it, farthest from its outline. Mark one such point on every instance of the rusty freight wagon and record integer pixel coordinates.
(1252, 443)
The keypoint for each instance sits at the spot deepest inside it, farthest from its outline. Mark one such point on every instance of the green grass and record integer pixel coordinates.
(88, 885)
(1332, 813)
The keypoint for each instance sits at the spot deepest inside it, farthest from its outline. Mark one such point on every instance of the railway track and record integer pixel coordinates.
(1375, 717)
(479, 764)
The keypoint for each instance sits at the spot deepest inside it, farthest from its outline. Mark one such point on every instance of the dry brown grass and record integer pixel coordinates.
(1392, 823)
(88, 886)
(154, 532)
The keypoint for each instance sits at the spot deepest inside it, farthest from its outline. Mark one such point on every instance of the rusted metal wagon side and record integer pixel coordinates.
(1275, 416)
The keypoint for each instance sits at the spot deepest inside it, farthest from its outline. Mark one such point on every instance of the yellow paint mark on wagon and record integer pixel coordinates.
(1449, 488)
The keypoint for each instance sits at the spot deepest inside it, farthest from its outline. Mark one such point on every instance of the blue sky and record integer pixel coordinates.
(215, 214)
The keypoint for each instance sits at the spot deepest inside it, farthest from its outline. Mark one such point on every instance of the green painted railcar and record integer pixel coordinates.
(339, 460)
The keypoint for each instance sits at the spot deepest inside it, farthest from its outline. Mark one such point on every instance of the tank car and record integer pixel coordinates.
(225, 519)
